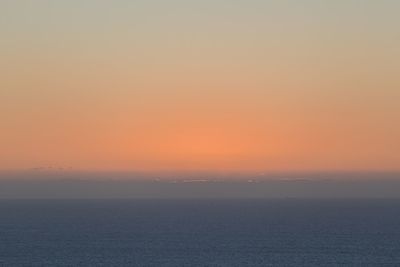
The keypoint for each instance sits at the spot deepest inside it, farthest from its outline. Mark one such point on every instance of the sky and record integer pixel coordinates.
(200, 85)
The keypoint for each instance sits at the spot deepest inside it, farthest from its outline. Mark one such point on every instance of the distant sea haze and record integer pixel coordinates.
(78, 185)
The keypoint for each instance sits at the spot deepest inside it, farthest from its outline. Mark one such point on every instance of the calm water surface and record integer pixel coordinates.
(200, 232)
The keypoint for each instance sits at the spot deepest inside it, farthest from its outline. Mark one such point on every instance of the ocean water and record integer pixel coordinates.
(286, 232)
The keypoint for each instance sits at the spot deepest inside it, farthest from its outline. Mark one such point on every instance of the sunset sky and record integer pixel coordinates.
(215, 85)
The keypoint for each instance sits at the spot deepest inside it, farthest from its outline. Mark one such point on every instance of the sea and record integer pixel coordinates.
(200, 232)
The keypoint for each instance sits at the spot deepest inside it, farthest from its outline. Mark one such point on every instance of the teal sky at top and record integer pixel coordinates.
(101, 20)
(323, 36)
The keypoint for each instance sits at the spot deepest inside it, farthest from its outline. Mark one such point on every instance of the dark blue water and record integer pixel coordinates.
(200, 232)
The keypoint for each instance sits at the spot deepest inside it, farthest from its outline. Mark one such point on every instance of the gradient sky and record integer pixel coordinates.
(237, 85)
